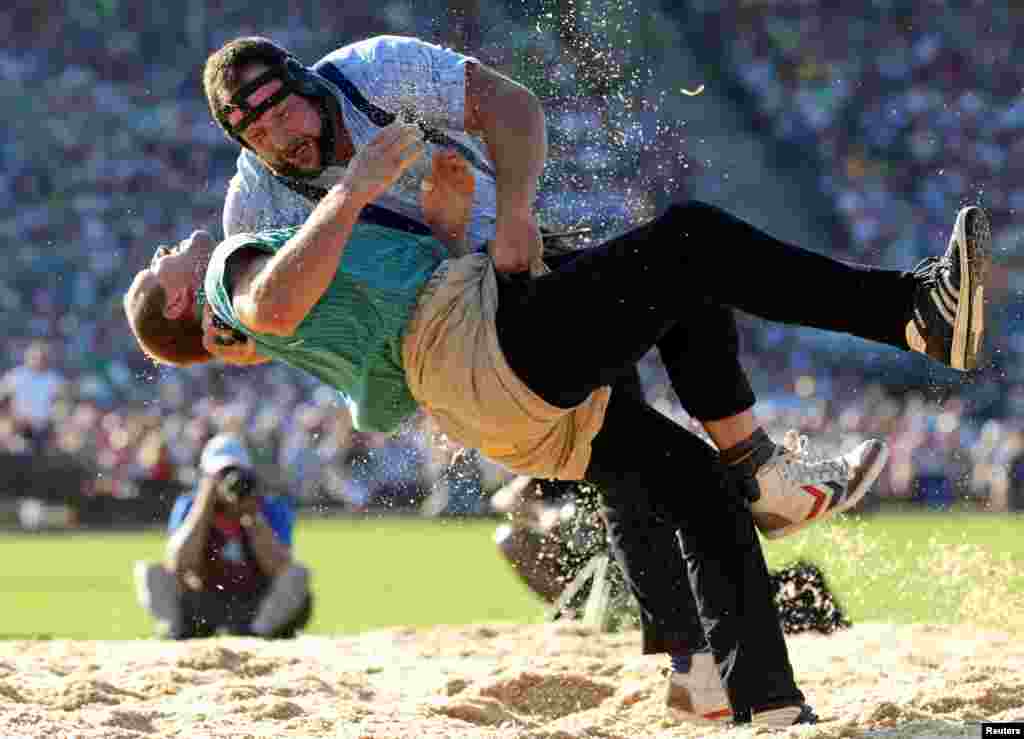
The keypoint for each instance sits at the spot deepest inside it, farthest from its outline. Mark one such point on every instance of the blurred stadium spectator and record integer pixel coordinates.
(32, 389)
(229, 557)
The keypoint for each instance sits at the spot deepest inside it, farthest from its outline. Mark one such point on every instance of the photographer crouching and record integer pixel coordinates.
(229, 564)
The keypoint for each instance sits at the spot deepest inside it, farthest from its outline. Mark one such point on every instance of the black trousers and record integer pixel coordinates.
(205, 612)
(673, 284)
(690, 552)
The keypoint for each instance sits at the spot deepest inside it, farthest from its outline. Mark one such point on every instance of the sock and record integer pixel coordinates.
(741, 451)
(681, 662)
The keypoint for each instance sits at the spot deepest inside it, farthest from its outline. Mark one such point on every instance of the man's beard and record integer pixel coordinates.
(287, 169)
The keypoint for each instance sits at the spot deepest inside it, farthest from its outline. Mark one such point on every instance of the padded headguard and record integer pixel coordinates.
(295, 79)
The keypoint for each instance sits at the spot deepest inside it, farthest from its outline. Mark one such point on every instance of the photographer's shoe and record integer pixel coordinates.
(698, 696)
(948, 322)
(795, 490)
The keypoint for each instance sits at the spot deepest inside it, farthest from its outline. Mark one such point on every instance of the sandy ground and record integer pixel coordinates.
(494, 681)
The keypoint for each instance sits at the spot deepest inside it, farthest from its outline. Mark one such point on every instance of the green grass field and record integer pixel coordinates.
(388, 572)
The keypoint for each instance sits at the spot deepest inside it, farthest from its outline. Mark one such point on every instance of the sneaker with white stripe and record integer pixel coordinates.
(948, 322)
(796, 490)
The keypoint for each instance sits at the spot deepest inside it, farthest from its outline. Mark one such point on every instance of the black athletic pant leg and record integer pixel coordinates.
(585, 324)
(656, 477)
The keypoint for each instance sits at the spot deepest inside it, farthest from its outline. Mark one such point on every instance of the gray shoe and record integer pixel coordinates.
(948, 322)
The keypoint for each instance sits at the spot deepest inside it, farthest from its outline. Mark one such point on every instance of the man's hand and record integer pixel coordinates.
(277, 297)
(186, 546)
(446, 197)
(223, 344)
(248, 505)
(379, 164)
(517, 244)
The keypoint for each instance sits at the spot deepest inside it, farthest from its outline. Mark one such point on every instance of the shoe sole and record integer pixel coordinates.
(786, 717)
(877, 456)
(719, 718)
(974, 231)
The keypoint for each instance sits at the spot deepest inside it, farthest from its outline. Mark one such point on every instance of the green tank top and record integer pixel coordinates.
(351, 339)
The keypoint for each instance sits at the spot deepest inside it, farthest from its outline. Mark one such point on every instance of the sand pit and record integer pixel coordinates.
(494, 682)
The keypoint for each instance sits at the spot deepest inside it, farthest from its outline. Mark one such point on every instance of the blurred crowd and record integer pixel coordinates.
(303, 441)
(912, 109)
(300, 437)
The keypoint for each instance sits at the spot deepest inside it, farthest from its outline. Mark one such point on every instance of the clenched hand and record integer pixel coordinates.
(379, 164)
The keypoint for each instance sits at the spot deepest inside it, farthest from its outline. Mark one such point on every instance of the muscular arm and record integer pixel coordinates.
(255, 201)
(187, 545)
(275, 298)
(511, 120)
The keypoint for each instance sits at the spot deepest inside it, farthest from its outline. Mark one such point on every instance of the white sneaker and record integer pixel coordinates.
(796, 490)
(698, 696)
(157, 591)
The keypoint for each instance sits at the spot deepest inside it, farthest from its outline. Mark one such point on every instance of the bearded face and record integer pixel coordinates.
(290, 135)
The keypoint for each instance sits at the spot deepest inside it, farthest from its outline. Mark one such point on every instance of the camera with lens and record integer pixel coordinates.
(235, 484)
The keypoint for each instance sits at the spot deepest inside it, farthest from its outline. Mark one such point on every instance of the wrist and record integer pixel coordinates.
(207, 495)
(515, 209)
(345, 195)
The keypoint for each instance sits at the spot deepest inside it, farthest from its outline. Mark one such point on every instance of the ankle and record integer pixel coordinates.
(744, 450)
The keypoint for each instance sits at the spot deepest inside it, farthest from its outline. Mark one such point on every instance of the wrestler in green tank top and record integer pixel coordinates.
(351, 339)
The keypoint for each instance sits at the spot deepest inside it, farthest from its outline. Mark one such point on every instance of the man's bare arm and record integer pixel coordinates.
(223, 344)
(510, 119)
(187, 545)
(239, 354)
(276, 298)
